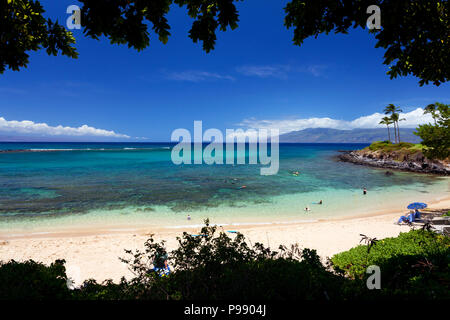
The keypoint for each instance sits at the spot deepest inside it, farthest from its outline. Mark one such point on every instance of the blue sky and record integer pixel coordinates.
(255, 73)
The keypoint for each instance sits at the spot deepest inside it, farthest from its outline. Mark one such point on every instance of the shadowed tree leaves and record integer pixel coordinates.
(209, 15)
(126, 21)
(415, 34)
(23, 28)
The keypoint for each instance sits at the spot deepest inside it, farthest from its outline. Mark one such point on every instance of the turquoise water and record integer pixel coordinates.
(120, 184)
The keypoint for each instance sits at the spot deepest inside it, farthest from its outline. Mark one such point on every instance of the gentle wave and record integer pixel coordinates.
(242, 224)
(84, 149)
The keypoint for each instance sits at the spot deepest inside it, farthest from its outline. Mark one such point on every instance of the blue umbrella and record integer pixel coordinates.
(417, 205)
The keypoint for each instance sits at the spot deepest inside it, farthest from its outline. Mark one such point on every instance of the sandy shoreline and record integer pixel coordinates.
(91, 254)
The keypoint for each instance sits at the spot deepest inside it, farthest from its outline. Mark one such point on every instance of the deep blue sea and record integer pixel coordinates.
(57, 184)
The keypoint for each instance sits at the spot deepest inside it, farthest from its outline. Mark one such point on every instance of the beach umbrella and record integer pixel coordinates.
(417, 205)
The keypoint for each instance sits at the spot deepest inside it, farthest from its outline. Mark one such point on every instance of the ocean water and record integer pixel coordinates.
(119, 185)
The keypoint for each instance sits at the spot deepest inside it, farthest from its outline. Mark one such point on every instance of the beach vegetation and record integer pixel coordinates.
(436, 136)
(216, 266)
(402, 150)
(32, 280)
(414, 264)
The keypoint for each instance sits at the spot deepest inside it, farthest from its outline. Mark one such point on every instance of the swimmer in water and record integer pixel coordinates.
(189, 217)
(364, 191)
(320, 202)
(306, 209)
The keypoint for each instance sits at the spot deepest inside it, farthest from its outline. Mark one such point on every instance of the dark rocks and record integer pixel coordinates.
(416, 163)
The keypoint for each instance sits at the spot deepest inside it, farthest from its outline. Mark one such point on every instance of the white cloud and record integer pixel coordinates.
(279, 71)
(316, 70)
(275, 71)
(196, 76)
(43, 129)
(413, 119)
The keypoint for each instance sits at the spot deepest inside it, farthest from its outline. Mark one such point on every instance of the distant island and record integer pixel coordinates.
(431, 155)
(328, 135)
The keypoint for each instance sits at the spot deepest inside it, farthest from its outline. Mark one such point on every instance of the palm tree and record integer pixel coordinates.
(394, 111)
(395, 117)
(392, 117)
(387, 121)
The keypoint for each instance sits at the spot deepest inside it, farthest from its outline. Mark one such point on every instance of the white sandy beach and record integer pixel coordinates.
(91, 255)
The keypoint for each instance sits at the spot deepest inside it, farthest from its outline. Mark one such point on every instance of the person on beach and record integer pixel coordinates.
(410, 218)
(417, 214)
(166, 270)
(161, 265)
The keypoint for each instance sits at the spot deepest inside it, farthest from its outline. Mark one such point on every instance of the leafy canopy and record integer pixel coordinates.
(415, 34)
(436, 136)
(23, 28)
(125, 21)
(30, 280)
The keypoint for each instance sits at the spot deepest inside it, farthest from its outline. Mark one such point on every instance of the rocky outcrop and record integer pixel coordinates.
(398, 160)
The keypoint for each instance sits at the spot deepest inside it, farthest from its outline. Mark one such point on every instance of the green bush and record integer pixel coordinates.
(214, 266)
(414, 264)
(436, 137)
(33, 281)
(387, 146)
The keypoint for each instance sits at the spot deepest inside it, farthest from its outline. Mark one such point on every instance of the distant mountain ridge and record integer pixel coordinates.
(328, 135)
(311, 135)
